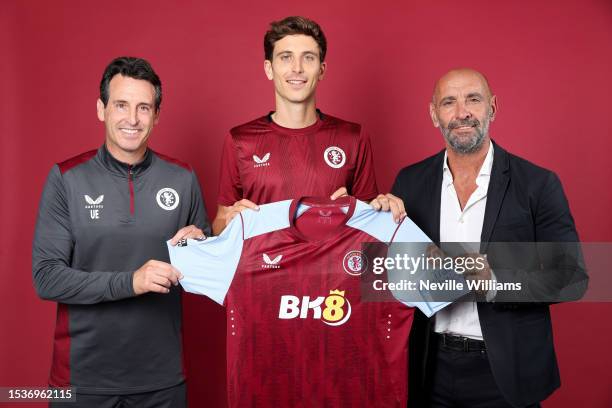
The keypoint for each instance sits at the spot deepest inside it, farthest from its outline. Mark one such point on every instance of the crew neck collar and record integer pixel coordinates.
(121, 168)
(305, 130)
(321, 202)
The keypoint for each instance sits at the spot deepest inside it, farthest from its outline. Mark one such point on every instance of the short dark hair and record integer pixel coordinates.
(292, 26)
(132, 67)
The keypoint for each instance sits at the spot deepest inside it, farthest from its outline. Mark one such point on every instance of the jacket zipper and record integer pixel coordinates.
(131, 186)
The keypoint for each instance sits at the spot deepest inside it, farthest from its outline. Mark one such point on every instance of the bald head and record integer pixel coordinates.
(462, 107)
(460, 76)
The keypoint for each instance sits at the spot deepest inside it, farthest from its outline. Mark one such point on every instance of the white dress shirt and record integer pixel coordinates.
(461, 318)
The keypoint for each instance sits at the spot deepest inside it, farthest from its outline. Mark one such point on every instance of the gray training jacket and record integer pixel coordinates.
(100, 220)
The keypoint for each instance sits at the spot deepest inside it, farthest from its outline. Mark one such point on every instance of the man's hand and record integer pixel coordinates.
(237, 207)
(188, 232)
(480, 270)
(341, 192)
(389, 202)
(227, 214)
(155, 276)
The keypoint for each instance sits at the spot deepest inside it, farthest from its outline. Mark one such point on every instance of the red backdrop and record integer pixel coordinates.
(549, 62)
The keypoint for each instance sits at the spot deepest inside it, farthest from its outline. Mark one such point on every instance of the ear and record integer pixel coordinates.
(268, 69)
(322, 70)
(493, 107)
(100, 109)
(156, 117)
(434, 116)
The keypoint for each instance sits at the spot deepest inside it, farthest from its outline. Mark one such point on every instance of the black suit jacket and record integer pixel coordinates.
(525, 203)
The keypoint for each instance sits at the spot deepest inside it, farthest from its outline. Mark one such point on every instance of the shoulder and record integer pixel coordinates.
(342, 126)
(251, 127)
(524, 171)
(76, 161)
(172, 163)
(270, 217)
(423, 168)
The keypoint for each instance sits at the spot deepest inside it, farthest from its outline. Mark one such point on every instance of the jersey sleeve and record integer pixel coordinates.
(364, 182)
(230, 185)
(209, 266)
(52, 249)
(197, 211)
(409, 240)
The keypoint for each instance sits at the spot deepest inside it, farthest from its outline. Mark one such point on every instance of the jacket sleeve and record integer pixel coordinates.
(559, 272)
(197, 212)
(52, 250)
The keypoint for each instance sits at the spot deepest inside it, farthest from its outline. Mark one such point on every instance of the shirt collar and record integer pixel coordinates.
(485, 169)
(120, 168)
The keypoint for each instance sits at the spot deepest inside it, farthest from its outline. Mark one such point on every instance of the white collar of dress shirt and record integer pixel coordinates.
(485, 169)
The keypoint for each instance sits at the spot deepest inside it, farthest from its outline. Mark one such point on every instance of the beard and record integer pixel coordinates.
(472, 143)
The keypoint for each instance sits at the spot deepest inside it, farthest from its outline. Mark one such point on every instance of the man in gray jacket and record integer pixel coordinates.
(99, 251)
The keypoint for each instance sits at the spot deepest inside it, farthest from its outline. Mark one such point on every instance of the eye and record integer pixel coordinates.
(145, 108)
(285, 57)
(310, 58)
(121, 105)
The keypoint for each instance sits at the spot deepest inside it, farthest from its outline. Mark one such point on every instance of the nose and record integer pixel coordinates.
(134, 116)
(297, 66)
(461, 111)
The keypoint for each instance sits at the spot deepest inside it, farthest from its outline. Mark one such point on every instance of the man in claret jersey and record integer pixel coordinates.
(296, 150)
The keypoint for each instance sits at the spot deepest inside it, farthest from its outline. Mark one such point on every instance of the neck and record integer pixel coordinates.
(295, 115)
(130, 158)
(465, 164)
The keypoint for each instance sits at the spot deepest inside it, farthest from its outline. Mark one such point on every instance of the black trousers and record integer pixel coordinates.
(463, 379)
(173, 397)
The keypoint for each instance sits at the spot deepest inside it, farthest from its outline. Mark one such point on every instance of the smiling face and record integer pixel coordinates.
(129, 117)
(296, 68)
(463, 107)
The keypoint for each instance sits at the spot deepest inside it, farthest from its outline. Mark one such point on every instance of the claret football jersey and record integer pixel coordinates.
(265, 162)
(298, 332)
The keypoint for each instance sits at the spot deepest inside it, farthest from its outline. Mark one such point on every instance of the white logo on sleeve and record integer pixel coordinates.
(167, 198)
(261, 162)
(94, 206)
(271, 263)
(334, 157)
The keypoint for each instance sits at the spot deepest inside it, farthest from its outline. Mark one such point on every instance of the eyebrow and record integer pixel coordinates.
(115, 102)
(448, 99)
(475, 94)
(316, 54)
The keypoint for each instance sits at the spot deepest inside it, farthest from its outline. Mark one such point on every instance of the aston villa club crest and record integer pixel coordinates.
(334, 157)
(355, 263)
(167, 198)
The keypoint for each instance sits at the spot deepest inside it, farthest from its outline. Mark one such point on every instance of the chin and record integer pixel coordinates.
(131, 147)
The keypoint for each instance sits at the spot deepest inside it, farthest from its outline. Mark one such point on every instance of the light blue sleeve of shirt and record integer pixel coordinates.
(381, 226)
(415, 244)
(209, 266)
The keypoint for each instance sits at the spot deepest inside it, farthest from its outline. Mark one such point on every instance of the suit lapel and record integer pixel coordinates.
(498, 184)
(434, 196)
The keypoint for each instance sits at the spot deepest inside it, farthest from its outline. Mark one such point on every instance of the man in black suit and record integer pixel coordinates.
(490, 353)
